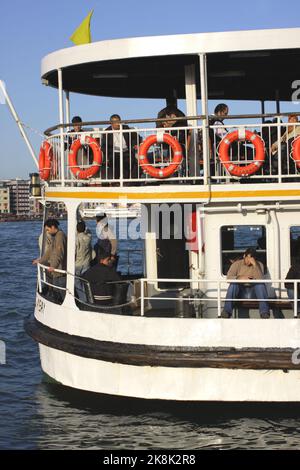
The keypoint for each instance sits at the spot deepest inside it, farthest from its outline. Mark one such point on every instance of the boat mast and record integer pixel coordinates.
(18, 121)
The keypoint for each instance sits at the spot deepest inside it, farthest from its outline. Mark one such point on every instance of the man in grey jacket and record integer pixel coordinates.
(55, 256)
(83, 251)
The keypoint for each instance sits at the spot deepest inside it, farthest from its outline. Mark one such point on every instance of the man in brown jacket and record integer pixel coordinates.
(245, 269)
(56, 254)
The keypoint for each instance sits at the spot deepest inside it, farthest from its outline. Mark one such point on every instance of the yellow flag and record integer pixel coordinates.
(82, 35)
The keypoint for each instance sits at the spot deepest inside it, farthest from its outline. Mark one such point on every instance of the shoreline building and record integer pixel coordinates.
(15, 198)
(4, 199)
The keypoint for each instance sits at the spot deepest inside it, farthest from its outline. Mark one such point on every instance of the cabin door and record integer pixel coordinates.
(171, 251)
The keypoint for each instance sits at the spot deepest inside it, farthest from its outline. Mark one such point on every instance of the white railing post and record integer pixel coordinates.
(279, 149)
(39, 279)
(61, 121)
(142, 298)
(295, 299)
(219, 299)
(121, 155)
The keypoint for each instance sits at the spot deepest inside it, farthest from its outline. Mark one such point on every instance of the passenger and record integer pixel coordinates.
(45, 241)
(171, 105)
(56, 256)
(245, 269)
(217, 134)
(100, 275)
(182, 135)
(83, 249)
(111, 146)
(85, 155)
(287, 139)
(238, 150)
(107, 239)
(294, 273)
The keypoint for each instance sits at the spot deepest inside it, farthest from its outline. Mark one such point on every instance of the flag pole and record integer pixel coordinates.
(18, 122)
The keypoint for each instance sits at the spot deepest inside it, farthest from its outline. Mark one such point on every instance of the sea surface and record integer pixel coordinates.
(37, 415)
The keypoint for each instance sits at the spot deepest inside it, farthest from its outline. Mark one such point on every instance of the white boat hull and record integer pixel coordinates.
(170, 383)
(87, 365)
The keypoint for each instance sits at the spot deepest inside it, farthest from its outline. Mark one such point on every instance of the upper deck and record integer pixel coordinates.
(240, 65)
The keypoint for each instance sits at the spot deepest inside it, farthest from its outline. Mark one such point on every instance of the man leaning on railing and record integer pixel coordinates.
(246, 269)
(56, 255)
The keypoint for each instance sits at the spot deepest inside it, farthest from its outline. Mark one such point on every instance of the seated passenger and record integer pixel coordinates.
(182, 135)
(99, 277)
(287, 139)
(294, 273)
(245, 269)
(111, 146)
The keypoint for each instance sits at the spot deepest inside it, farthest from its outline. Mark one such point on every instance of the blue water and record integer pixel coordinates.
(36, 415)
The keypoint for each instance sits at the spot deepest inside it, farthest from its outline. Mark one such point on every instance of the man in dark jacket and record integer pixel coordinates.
(99, 277)
(112, 143)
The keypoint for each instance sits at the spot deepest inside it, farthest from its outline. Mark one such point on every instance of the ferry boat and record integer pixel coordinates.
(221, 180)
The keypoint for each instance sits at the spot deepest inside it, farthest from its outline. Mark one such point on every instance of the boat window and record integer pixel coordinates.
(294, 243)
(235, 239)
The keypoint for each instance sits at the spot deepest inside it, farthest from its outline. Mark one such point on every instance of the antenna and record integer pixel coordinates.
(19, 123)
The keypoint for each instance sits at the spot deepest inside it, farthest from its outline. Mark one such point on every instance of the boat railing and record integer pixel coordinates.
(200, 294)
(278, 162)
(124, 166)
(44, 278)
(211, 294)
(202, 158)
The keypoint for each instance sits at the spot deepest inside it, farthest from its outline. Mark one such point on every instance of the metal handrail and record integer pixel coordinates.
(48, 131)
(218, 288)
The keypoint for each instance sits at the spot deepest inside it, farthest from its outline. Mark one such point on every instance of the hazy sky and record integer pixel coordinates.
(31, 29)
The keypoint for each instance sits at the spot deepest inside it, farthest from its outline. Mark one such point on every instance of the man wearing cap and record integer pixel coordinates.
(100, 276)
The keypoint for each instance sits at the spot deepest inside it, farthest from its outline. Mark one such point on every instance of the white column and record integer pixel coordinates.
(61, 121)
(68, 118)
(204, 111)
(191, 92)
(71, 236)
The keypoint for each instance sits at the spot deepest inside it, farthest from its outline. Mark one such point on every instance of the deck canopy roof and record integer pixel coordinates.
(242, 65)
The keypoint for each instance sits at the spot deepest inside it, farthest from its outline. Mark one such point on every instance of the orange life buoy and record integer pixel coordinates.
(45, 160)
(296, 151)
(160, 172)
(78, 172)
(246, 170)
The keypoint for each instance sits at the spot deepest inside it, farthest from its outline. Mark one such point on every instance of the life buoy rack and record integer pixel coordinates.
(45, 160)
(296, 152)
(86, 173)
(246, 170)
(160, 172)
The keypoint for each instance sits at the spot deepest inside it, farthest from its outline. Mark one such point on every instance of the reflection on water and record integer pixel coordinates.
(35, 414)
